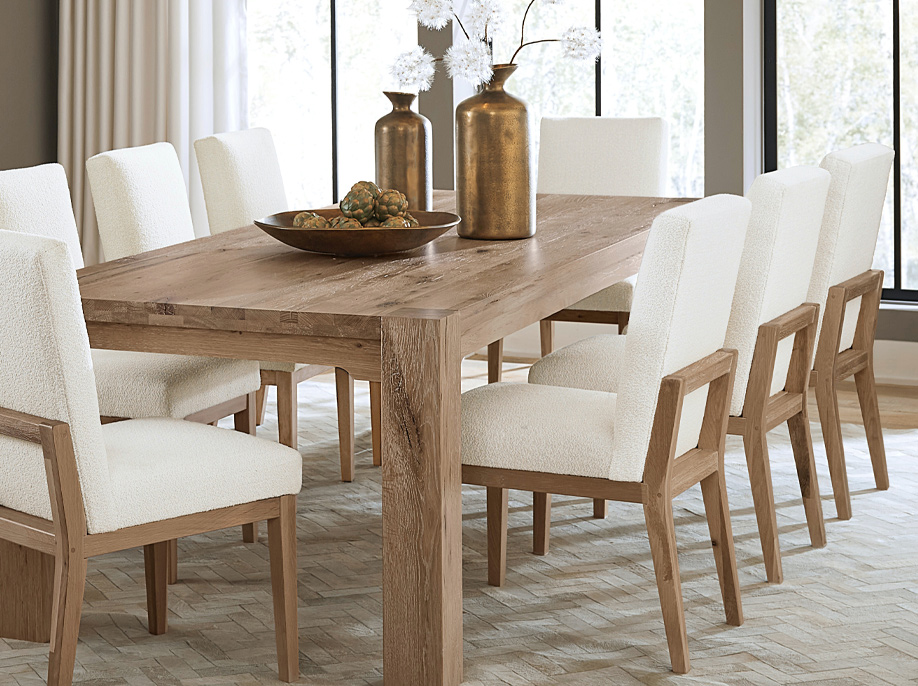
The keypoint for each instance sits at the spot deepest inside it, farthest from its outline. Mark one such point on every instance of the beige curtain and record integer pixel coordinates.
(134, 72)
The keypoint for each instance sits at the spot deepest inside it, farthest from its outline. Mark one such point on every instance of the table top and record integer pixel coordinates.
(244, 280)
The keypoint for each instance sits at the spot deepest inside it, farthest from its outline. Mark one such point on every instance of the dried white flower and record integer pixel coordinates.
(482, 18)
(581, 43)
(434, 14)
(414, 70)
(470, 60)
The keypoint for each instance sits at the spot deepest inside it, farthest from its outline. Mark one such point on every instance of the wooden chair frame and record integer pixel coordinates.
(665, 476)
(48, 608)
(763, 411)
(286, 383)
(832, 366)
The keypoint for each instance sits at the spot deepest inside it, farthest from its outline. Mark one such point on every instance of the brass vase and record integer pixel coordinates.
(403, 152)
(495, 192)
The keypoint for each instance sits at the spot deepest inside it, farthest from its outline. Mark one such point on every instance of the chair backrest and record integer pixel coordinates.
(777, 263)
(681, 308)
(854, 208)
(46, 370)
(241, 177)
(37, 200)
(603, 156)
(140, 199)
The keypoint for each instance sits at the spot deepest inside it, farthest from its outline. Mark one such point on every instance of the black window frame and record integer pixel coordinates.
(770, 127)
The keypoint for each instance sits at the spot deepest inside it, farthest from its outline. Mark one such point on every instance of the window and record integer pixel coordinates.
(652, 65)
(832, 81)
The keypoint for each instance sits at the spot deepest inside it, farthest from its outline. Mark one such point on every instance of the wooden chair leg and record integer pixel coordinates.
(172, 561)
(658, 512)
(156, 567)
(286, 410)
(260, 404)
(798, 427)
(763, 498)
(547, 336)
(827, 403)
(69, 584)
(244, 420)
(714, 492)
(497, 535)
(600, 508)
(376, 421)
(282, 551)
(344, 384)
(870, 411)
(541, 522)
(495, 360)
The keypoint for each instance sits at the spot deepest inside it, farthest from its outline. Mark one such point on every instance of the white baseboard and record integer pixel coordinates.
(896, 362)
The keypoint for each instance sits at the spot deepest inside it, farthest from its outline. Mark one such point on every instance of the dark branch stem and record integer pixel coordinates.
(459, 21)
(523, 26)
(533, 42)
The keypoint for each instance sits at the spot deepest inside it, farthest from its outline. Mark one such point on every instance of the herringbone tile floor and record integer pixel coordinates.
(585, 614)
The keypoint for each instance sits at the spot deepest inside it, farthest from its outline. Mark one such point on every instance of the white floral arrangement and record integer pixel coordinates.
(471, 59)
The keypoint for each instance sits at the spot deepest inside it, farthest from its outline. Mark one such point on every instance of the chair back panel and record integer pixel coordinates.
(681, 308)
(46, 370)
(854, 208)
(241, 177)
(140, 199)
(37, 200)
(603, 156)
(777, 263)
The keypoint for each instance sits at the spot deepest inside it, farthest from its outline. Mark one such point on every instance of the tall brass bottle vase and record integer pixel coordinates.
(495, 192)
(403, 152)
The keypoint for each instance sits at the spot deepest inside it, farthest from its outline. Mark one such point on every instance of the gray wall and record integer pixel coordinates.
(28, 82)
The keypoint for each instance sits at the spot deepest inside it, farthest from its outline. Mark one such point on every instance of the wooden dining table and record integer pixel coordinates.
(405, 320)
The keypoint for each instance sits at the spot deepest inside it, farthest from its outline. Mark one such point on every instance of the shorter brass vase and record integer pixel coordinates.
(403, 152)
(495, 193)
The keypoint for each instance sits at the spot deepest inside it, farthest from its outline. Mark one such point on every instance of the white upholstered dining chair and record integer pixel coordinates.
(661, 433)
(72, 488)
(597, 156)
(242, 182)
(133, 385)
(849, 291)
(773, 329)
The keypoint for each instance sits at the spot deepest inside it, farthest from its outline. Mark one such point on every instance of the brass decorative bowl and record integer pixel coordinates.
(357, 242)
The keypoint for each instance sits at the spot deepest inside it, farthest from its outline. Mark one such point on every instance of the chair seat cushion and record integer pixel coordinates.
(137, 385)
(591, 364)
(538, 428)
(164, 468)
(281, 366)
(615, 298)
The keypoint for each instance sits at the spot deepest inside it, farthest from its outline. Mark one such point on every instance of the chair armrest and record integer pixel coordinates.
(704, 371)
(859, 285)
(791, 322)
(26, 427)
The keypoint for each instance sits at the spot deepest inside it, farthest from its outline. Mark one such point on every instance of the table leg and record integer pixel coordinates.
(26, 590)
(422, 499)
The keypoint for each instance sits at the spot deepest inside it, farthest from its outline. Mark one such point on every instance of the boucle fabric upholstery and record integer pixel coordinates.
(130, 472)
(281, 366)
(604, 156)
(538, 428)
(37, 200)
(140, 199)
(138, 385)
(241, 177)
(592, 364)
(848, 240)
(681, 309)
(777, 263)
(45, 370)
(163, 468)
